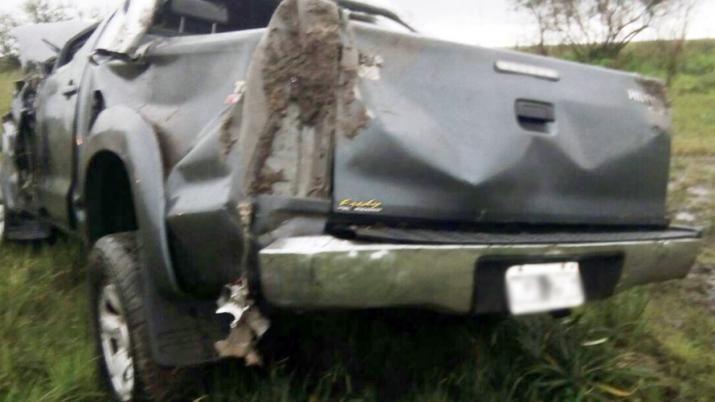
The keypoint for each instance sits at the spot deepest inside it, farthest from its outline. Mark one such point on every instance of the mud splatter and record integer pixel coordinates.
(308, 59)
(228, 140)
(268, 179)
(656, 89)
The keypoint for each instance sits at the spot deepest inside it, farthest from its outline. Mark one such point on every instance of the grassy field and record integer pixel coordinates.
(693, 96)
(650, 344)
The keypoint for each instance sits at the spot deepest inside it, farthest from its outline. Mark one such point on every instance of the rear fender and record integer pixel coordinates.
(125, 133)
(182, 330)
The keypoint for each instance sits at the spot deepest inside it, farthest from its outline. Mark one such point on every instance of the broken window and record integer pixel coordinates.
(74, 46)
(197, 17)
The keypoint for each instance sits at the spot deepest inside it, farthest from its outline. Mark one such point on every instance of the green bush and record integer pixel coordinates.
(693, 84)
(699, 64)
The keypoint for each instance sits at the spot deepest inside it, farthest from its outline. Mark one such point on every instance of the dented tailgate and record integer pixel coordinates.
(481, 135)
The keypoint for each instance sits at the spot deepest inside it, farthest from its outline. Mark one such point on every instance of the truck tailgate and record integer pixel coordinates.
(481, 135)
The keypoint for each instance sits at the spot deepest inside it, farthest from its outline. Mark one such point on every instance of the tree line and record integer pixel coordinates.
(597, 31)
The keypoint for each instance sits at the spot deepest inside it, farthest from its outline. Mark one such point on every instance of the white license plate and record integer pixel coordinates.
(538, 288)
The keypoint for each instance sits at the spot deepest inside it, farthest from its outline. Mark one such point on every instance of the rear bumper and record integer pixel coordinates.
(324, 272)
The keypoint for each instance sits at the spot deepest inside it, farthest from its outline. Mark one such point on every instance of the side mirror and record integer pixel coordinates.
(201, 10)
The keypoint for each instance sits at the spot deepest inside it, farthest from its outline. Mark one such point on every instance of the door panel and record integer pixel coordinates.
(56, 117)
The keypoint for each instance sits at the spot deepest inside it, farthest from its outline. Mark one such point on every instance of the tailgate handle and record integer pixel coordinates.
(534, 115)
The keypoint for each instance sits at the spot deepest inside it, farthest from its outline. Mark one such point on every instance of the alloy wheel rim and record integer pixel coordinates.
(116, 347)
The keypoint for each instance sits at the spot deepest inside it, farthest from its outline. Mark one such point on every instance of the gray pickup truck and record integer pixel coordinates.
(312, 154)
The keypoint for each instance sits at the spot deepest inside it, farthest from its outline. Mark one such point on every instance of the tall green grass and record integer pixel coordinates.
(46, 352)
(632, 346)
(7, 80)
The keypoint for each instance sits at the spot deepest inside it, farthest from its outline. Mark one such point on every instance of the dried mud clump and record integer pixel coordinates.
(656, 89)
(306, 60)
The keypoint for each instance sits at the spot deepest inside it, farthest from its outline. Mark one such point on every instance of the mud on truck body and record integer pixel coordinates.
(308, 154)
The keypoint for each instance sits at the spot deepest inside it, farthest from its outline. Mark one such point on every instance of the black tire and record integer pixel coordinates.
(115, 285)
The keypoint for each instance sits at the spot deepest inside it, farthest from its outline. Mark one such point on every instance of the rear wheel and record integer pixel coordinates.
(115, 343)
(120, 326)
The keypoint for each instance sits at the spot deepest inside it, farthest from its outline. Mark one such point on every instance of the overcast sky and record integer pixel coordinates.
(481, 22)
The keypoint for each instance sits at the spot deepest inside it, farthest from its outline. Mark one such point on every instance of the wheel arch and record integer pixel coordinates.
(182, 329)
(122, 156)
(109, 202)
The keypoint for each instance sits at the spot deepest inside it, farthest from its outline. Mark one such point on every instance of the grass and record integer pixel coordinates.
(7, 79)
(633, 346)
(44, 352)
(692, 91)
(649, 344)
(694, 123)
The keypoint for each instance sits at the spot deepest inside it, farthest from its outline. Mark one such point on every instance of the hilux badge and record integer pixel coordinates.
(640, 97)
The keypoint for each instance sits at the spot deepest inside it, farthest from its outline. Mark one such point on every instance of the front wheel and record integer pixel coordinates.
(120, 326)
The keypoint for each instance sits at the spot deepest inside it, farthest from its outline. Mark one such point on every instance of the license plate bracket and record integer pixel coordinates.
(538, 288)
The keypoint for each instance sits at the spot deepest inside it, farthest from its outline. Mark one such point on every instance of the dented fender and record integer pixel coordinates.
(123, 132)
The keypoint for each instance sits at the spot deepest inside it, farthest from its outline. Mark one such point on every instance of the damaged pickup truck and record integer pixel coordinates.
(313, 154)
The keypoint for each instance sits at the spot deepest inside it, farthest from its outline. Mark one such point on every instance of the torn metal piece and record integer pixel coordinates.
(247, 327)
(240, 344)
(124, 35)
(237, 94)
(235, 302)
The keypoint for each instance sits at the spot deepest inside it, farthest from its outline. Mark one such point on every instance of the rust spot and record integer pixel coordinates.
(227, 138)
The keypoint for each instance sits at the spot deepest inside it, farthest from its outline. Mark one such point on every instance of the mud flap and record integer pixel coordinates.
(247, 327)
